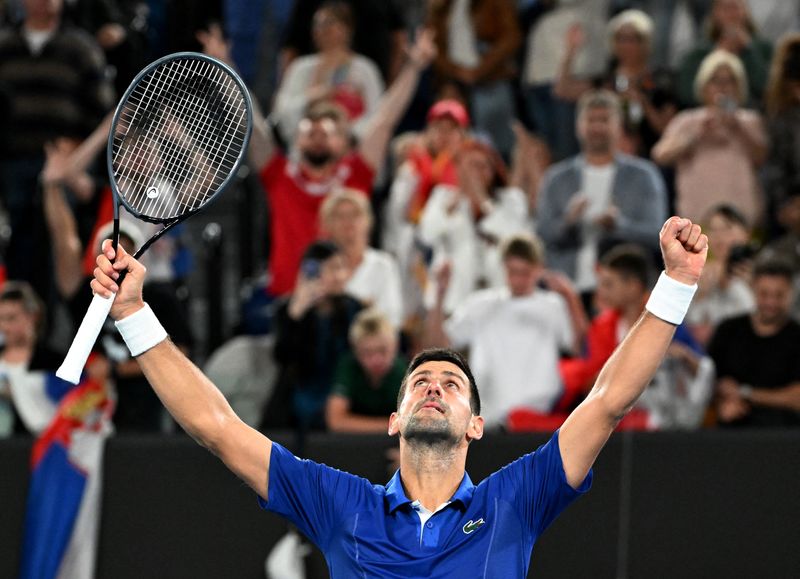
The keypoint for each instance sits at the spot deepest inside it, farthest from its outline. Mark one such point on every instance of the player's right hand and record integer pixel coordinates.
(107, 273)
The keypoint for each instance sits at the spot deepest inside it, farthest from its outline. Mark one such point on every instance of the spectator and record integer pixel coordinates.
(646, 95)
(27, 365)
(758, 367)
(311, 334)
(783, 115)
(787, 247)
(323, 161)
(431, 161)
(515, 333)
(477, 41)
(54, 81)
(663, 15)
(333, 73)
(427, 162)
(346, 219)
(683, 384)
(119, 28)
(465, 224)
(724, 288)
(378, 33)
(544, 51)
(716, 147)
(599, 198)
(367, 380)
(730, 28)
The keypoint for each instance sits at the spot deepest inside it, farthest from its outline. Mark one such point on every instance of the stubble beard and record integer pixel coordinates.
(423, 432)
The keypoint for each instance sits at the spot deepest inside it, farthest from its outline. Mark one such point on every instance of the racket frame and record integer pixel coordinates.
(120, 199)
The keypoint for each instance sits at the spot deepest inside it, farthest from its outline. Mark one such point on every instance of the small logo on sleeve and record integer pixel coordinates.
(472, 526)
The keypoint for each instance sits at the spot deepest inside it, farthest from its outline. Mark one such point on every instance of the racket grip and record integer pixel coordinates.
(72, 366)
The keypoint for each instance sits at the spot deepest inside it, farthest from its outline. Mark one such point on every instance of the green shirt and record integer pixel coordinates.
(351, 381)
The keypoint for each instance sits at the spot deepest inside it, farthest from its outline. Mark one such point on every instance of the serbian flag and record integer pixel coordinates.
(63, 512)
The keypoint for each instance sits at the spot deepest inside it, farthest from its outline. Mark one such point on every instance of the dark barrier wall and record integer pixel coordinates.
(696, 505)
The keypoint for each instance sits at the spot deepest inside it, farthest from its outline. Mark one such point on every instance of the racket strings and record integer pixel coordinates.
(193, 98)
(180, 134)
(202, 141)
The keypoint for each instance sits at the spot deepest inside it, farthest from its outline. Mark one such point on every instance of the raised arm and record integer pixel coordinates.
(630, 369)
(191, 398)
(61, 223)
(261, 144)
(394, 102)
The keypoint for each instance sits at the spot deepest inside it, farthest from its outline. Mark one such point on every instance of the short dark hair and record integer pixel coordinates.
(523, 246)
(23, 293)
(443, 355)
(599, 99)
(729, 213)
(630, 261)
(774, 267)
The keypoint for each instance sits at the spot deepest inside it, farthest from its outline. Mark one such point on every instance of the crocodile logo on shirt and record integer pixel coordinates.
(472, 526)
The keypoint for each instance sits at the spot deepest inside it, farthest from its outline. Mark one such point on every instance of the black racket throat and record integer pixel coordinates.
(143, 248)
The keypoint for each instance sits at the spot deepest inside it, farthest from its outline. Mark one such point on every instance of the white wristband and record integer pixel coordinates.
(141, 330)
(670, 299)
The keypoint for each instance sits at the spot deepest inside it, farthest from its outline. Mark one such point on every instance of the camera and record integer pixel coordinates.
(728, 104)
(311, 268)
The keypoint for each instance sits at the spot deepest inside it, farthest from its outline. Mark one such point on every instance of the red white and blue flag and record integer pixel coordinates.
(63, 511)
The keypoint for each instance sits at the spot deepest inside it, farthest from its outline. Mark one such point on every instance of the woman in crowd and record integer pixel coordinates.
(464, 224)
(335, 73)
(718, 146)
(346, 219)
(730, 27)
(647, 97)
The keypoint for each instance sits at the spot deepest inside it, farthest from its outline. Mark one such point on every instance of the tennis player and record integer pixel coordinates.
(430, 520)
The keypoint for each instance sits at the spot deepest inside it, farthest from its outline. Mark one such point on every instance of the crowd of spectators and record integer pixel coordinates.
(489, 175)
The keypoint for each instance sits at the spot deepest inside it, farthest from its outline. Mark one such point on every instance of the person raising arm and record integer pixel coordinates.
(629, 370)
(427, 520)
(191, 398)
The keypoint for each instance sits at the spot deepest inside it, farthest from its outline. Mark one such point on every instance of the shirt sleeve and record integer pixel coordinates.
(540, 486)
(311, 495)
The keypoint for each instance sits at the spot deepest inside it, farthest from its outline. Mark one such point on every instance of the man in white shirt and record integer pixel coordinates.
(599, 198)
(515, 334)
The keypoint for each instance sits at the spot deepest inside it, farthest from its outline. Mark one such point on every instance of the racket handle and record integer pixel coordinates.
(84, 340)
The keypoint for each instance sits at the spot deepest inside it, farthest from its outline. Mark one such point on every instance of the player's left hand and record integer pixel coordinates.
(684, 247)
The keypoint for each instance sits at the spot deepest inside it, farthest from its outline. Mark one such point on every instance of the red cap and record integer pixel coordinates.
(449, 108)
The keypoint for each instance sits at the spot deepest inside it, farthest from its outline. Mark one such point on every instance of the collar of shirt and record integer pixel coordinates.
(396, 496)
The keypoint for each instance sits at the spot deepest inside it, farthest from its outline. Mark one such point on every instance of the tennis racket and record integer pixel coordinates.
(177, 138)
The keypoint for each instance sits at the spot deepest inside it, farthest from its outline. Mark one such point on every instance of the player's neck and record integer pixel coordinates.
(431, 474)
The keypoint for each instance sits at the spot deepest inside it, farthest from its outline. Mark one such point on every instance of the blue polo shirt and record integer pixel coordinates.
(373, 531)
